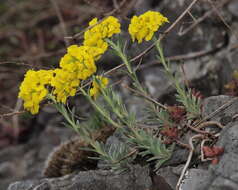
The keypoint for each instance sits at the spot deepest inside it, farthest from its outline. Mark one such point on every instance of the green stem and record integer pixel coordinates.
(97, 107)
(60, 107)
(109, 101)
(125, 60)
(186, 97)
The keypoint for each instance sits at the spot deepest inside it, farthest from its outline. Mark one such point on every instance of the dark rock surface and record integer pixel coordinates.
(233, 8)
(224, 175)
(194, 179)
(27, 161)
(137, 179)
(169, 175)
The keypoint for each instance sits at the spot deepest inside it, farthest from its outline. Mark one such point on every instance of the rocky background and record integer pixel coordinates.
(31, 36)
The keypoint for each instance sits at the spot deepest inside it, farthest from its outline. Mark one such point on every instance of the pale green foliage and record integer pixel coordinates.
(145, 142)
(115, 156)
(151, 146)
(115, 105)
(84, 128)
(69, 116)
(158, 116)
(117, 47)
(191, 103)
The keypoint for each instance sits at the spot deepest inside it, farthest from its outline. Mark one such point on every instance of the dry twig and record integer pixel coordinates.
(117, 8)
(209, 124)
(146, 96)
(221, 17)
(62, 24)
(203, 159)
(207, 14)
(15, 118)
(221, 108)
(11, 114)
(188, 160)
(198, 130)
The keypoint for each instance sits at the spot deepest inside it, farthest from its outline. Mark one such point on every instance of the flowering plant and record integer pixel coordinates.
(76, 65)
(79, 65)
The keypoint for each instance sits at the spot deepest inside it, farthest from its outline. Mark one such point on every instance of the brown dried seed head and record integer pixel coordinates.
(69, 156)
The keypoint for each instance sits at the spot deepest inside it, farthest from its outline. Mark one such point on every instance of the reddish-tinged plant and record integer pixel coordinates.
(170, 132)
(213, 152)
(177, 113)
(197, 94)
(215, 161)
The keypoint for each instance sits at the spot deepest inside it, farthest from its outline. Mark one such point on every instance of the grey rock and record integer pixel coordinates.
(224, 116)
(169, 176)
(221, 183)
(224, 175)
(194, 178)
(137, 105)
(6, 169)
(227, 165)
(138, 178)
(20, 185)
(28, 160)
(179, 156)
(233, 8)
(156, 81)
(229, 138)
(205, 71)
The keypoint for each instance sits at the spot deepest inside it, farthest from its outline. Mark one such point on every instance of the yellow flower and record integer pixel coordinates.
(145, 25)
(95, 36)
(96, 41)
(106, 28)
(64, 84)
(33, 88)
(81, 60)
(84, 52)
(98, 82)
(110, 26)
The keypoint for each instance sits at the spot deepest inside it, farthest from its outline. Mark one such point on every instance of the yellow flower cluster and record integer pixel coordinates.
(145, 25)
(64, 84)
(79, 62)
(76, 65)
(98, 83)
(33, 88)
(94, 37)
